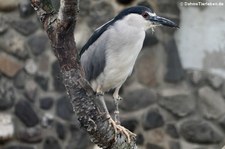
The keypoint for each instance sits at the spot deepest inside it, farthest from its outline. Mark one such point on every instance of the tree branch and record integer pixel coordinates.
(60, 29)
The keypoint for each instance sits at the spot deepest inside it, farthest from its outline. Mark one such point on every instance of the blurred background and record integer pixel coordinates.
(174, 98)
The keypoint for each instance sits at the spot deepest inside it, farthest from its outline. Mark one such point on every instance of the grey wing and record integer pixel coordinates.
(93, 60)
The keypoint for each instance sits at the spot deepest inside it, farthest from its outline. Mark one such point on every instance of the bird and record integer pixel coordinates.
(109, 55)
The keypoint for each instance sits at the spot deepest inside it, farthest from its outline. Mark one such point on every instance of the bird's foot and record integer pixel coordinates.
(121, 129)
(117, 97)
(100, 93)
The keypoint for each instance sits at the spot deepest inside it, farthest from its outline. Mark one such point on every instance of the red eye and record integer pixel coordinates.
(145, 14)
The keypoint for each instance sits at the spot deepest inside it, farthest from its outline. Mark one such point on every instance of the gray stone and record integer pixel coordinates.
(215, 81)
(6, 127)
(152, 119)
(20, 80)
(140, 139)
(103, 15)
(38, 43)
(175, 71)
(18, 147)
(200, 131)
(31, 67)
(212, 103)
(30, 135)
(153, 146)
(171, 130)
(51, 143)
(25, 112)
(137, 99)
(31, 90)
(61, 130)
(222, 122)
(47, 120)
(174, 145)
(46, 103)
(3, 25)
(7, 95)
(42, 81)
(223, 90)
(64, 108)
(197, 77)
(130, 124)
(179, 105)
(25, 9)
(24, 27)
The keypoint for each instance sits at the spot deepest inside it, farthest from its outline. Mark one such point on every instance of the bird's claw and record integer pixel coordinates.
(121, 129)
(99, 94)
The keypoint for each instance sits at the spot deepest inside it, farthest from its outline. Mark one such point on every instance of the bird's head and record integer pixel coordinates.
(143, 17)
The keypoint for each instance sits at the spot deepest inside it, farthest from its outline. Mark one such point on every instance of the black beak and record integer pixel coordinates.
(163, 21)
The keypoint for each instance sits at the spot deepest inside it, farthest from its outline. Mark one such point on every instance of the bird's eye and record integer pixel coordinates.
(145, 14)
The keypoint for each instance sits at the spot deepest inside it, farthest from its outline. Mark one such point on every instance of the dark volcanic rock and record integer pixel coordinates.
(20, 79)
(25, 112)
(130, 124)
(46, 103)
(60, 130)
(51, 143)
(7, 95)
(200, 131)
(153, 146)
(175, 71)
(38, 43)
(42, 82)
(30, 135)
(140, 139)
(172, 131)
(179, 105)
(152, 119)
(64, 108)
(25, 27)
(137, 99)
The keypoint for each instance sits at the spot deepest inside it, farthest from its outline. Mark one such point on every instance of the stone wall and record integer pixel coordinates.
(168, 107)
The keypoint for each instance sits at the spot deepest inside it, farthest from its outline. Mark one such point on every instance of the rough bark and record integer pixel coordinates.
(60, 29)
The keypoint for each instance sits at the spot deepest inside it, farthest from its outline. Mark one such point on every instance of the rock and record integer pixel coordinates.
(38, 43)
(153, 146)
(9, 65)
(18, 147)
(47, 120)
(51, 143)
(59, 86)
(140, 139)
(24, 27)
(171, 130)
(223, 90)
(3, 25)
(150, 40)
(200, 131)
(6, 127)
(124, 2)
(138, 99)
(8, 5)
(179, 105)
(130, 124)
(175, 71)
(25, 112)
(212, 104)
(7, 95)
(215, 81)
(61, 130)
(43, 64)
(64, 108)
(103, 15)
(152, 119)
(15, 46)
(222, 122)
(20, 80)
(46, 103)
(31, 90)
(42, 82)
(146, 68)
(30, 135)
(174, 145)
(197, 77)
(25, 9)
(31, 67)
